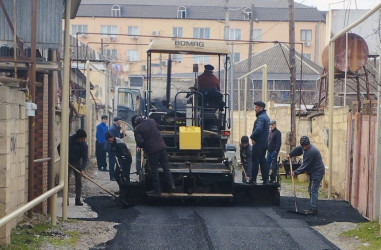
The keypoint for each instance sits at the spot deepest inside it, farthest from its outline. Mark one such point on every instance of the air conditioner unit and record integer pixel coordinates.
(155, 33)
(144, 67)
(307, 43)
(112, 38)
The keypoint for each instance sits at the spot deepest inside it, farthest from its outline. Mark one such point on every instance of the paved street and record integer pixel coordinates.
(205, 227)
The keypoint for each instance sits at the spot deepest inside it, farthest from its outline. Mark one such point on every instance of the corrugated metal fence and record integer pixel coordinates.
(361, 157)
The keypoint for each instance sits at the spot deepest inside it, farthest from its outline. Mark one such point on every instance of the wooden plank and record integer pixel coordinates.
(364, 165)
(372, 165)
(356, 160)
(348, 178)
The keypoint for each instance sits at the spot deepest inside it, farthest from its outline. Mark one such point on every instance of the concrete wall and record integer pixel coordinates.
(315, 128)
(13, 155)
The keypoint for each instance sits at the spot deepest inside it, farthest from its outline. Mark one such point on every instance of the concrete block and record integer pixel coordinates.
(5, 145)
(21, 140)
(20, 97)
(21, 197)
(15, 111)
(4, 94)
(4, 195)
(20, 183)
(22, 112)
(13, 174)
(3, 209)
(5, 111)
(4, 178)
(4, 128)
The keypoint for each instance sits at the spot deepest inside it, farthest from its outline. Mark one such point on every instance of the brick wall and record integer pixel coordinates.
(13, 149)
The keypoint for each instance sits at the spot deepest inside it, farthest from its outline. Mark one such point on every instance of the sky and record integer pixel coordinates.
(338, 4)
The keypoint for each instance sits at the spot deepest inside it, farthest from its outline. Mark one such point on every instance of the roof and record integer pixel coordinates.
(272, 10)
(184, 46)
(277, 64)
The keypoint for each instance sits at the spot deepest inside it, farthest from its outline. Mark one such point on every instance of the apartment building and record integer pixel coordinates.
(125, 28)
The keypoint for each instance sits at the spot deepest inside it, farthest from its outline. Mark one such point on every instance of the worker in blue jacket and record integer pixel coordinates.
(100, 151)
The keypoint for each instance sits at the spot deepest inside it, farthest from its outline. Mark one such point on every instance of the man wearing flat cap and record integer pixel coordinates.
(208, 79)
(260, 141)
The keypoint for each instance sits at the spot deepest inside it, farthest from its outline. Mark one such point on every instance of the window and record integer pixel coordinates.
(115, 10)
(177, 32)
(200, 59)
(247, 14)
(132, 56)
(111, 30)
(237, 57)
(78, 28)
(177, 57)
(306, 35)
(308, 56)
(136, 81)
(182, 12)
(111, 54)
(133, 30)
(201, 33)
(234, 34)
(257, 34)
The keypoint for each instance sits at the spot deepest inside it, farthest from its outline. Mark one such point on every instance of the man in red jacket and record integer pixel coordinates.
(148, 137)
(208, 79)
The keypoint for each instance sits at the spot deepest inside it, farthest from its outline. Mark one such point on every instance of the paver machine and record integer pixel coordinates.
(195, 125)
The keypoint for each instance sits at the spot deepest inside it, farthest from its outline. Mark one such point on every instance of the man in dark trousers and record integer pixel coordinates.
(122, 170)
(275, 141)
(259, 138)
(114, 131)
(313, 166)
(78, 158)
(245, 153)
(207, 79)
(148, 137)
(100, 152)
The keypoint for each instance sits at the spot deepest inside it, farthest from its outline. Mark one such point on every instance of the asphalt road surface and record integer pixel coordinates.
(211, 226)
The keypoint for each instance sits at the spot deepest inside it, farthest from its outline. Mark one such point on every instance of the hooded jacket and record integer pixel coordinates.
(148, 137)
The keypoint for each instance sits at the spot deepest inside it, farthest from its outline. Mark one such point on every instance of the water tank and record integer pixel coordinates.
(357, 53)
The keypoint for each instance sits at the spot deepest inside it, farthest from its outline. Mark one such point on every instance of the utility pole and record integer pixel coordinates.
(292, 138)
(226, 35)
(251, 39)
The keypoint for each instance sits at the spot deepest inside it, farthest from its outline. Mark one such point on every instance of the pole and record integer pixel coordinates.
(226, 35)
(245, 108)
(88, 105)
(232, 94)
(264, 84)
(250, 54)
(346, 68)
(292, 71)
(51, 134)
(107, 98)
(65, 110)
(331, 75)
(377, 179)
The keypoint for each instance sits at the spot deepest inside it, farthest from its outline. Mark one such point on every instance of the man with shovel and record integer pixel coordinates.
(123, 163)
(313, 166)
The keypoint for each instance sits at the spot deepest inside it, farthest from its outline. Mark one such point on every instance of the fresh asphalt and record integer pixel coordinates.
(193, 225)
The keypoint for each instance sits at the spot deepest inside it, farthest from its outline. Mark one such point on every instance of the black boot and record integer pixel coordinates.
(311, 211)
(78, 202)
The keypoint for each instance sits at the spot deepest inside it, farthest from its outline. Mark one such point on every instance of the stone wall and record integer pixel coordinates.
(13, 155)
(316, 128)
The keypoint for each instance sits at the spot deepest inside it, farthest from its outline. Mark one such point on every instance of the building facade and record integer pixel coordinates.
(122, 30)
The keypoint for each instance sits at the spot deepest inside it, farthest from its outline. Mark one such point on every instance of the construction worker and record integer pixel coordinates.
(115, 132)
(78, 158)
(100, 151)
(259, 139)
(207, 79)
(148, 137)
(313, 166)
(245, 153)
(123, 166)
(275, 142)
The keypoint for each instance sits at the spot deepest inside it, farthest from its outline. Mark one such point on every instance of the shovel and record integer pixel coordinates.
(294, 192)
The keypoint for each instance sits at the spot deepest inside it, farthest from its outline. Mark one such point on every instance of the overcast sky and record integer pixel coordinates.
(338, 4)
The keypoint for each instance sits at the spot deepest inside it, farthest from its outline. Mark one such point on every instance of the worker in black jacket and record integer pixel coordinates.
(123, 166)
(313, 166)
(275, 141)
(78, 158)
(148, 137)
(115, 132)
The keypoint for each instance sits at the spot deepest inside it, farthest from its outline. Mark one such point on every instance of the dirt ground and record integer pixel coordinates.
(334, 217)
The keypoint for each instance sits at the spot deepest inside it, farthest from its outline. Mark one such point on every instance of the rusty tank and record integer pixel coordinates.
(357, 53)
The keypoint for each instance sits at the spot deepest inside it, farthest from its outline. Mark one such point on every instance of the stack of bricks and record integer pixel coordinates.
(13, 151)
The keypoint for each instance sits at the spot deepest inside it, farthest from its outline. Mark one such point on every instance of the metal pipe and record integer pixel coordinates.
(51, 135)
(239, 109)
(15, 35)
(264, 84)
(346, 68)
(42, 160)
(65, 109)
(88, 106)
(331, 76)
(245, 106)
(32, 90)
